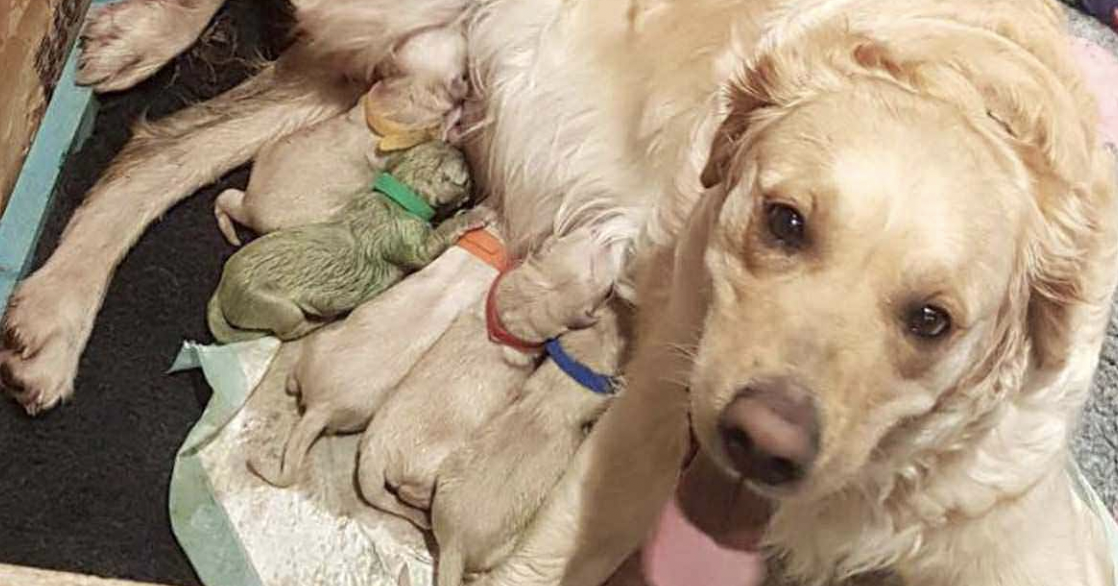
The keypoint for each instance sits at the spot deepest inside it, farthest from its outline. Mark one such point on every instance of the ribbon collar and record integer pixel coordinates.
(394, 135)
(595, 382)
(496, 330)
(396, 191)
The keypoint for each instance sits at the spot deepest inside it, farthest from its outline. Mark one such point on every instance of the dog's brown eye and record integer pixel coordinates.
(786, 224)
(929, 321)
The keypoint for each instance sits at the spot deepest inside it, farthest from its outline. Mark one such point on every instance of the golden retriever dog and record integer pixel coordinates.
(873, 249)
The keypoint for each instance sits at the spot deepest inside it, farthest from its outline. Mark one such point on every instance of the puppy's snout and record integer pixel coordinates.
(771, 432)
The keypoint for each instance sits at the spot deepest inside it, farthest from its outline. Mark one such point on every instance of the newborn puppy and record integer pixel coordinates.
(303, 178)
(488, 491)
(310, 175)
(294, 281)
(465, 378)
(344, 372)
(423, 89)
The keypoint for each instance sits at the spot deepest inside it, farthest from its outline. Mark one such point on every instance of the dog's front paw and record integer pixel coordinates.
(126, 42)
(43, 336)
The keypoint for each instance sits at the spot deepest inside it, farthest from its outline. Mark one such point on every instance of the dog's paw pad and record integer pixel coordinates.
(35, 388)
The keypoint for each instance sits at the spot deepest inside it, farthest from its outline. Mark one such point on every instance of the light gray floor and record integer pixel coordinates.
(1096, 443)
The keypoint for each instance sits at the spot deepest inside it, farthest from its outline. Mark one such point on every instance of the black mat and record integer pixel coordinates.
(84, 488)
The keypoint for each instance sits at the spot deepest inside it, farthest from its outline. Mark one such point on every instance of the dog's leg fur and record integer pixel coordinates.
(125, 42)
(51, 314)
(592, 521)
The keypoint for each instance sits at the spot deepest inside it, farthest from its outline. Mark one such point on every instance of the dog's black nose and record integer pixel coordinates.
(771, 432)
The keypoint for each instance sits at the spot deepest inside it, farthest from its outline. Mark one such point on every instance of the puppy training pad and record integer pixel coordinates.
(239, 531)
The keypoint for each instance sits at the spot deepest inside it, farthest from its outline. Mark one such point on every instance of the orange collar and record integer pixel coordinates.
(484, 245)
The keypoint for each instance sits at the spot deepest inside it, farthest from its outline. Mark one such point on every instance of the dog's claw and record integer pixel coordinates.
(40, 345)
(8, 380)
(11, 340)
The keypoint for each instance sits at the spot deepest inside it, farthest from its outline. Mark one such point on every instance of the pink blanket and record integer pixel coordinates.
(1100, 70)
(678, 553)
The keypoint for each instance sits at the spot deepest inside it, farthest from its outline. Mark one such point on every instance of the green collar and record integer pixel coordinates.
(404, 196)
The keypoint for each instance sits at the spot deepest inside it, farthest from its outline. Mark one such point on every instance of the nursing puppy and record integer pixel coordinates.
(489, 489)
(345, 372)
(292, 282)
(466, 378)
(310, 175)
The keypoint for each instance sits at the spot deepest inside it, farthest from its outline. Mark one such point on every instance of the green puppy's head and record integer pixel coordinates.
(435, 171)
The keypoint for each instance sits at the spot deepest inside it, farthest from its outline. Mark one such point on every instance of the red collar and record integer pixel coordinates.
(497, 332)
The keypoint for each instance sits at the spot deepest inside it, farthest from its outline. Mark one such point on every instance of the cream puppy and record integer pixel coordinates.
(345, 372)
(308, 176)
(466, 378)
(489, 490)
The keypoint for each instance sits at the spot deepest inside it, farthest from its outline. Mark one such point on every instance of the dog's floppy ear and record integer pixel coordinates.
(727, 139)
(690, 285)
(1072, 263)
(1049, 120)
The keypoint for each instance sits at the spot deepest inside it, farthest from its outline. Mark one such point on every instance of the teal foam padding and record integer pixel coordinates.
(65, 125)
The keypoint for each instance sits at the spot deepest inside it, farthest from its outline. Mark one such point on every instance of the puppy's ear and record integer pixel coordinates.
(727, 139)
(584, 320)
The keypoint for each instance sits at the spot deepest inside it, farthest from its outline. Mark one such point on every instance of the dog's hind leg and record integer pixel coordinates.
(50, 315)
(372, 483)
(306, 432)
(125, 42)
(382, 499)
(229, 208)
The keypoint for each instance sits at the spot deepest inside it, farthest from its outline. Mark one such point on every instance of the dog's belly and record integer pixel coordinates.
(599, 111)
(553, 152)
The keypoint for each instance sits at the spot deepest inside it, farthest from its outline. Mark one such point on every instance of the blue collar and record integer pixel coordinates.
(583, 375)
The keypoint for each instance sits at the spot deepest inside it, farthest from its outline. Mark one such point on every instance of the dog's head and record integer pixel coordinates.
(914, 225)
(557, 288)
(424, 83)
(437, 171)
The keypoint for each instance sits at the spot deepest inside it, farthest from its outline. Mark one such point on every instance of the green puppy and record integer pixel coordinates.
(290, 282)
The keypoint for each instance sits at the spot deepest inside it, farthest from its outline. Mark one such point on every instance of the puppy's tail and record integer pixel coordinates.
(298, 444)
(452, 565)
(222, 330)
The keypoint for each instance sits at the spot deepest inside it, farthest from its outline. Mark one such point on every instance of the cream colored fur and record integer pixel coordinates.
(345, 372)
(489, 489)
(309, 175)
(465, 379)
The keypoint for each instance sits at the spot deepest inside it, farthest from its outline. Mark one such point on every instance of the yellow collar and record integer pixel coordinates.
(396, 136)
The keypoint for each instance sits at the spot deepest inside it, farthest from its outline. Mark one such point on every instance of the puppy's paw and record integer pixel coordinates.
(44, 332)
(126, 42)
(477, 218)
